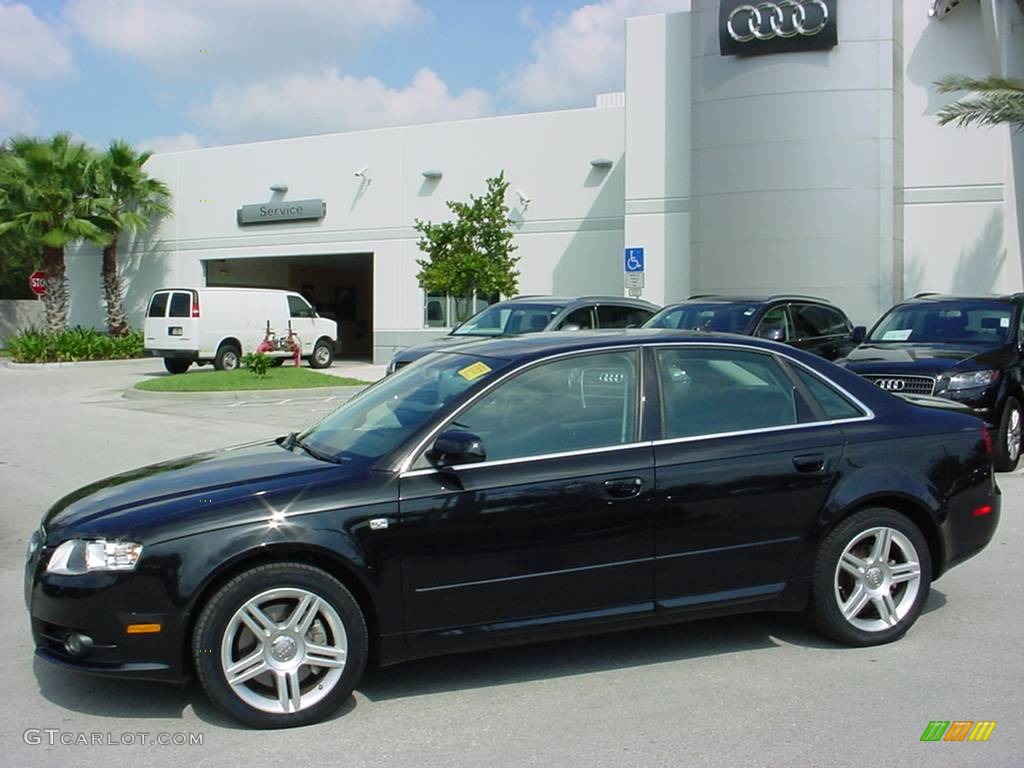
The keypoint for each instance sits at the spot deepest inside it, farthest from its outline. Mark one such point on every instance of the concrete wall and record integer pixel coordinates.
(18, 315)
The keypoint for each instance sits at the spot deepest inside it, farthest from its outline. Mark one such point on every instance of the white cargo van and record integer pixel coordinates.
(219, 325)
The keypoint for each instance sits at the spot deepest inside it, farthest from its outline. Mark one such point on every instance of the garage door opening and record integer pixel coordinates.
(339, 286)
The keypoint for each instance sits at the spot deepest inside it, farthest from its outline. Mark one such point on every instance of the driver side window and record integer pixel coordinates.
(776, 317)
(582, 402)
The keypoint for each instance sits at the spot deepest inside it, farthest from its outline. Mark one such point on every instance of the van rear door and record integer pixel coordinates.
(172, 320)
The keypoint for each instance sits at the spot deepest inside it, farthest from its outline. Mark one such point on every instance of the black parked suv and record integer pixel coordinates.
(533, 314)
(964, 348)
(805, 322)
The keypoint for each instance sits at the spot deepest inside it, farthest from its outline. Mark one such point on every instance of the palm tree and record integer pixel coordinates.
(128, 199)
(994, 100)
(47, 189)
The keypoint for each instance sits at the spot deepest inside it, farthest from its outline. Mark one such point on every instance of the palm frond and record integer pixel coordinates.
(991, 101)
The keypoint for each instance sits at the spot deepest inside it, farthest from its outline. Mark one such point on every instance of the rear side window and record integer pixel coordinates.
(583, 317)
(812, 321)
(713, 391)
(181, 305)
(158, 306)
(610, 316)
(835, 405)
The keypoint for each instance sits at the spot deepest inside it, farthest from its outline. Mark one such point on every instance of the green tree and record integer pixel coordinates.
(991, 101)
(47, 197)
(128, 200)
(473, 251)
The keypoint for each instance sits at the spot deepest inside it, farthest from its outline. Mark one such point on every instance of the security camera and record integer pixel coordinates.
(361, 173)
(524, 199)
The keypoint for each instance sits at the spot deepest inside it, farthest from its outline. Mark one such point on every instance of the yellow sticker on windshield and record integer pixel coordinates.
(474, 371)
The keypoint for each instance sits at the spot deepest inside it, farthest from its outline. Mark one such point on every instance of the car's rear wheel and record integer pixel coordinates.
(280, 645)
(176, 364)
(871, 578)
(1008, 444)
(229, 358)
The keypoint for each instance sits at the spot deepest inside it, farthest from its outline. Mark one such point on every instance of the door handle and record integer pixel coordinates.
(623, 487)
(809, 462)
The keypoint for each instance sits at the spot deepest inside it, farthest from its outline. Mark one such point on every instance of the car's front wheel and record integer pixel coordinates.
(176, 364)
(871, 578)
(280, 645)
(1008, 443)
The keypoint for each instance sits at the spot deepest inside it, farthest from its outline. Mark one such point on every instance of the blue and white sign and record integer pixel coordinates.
(634, 260)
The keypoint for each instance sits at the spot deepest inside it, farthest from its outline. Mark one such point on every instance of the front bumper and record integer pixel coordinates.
(100, 606)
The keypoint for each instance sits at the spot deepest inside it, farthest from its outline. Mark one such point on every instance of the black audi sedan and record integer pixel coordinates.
(969, 349)
(805, 322)
(535, 314)
(509, 491)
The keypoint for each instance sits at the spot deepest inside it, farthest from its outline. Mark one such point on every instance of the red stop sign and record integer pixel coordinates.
(37, 282)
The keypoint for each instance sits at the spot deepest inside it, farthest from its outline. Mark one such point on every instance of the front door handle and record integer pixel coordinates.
(623, 487)
(809, 462)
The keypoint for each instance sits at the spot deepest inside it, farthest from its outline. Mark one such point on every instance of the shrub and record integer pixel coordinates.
(257, 362)
(73, 344)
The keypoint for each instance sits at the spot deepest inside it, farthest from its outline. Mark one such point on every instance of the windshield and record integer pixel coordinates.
(508, 319)
(949, 322)
(725, 318)
(380, 418)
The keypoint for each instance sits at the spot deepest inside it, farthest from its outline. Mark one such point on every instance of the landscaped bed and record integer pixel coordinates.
(285, 377)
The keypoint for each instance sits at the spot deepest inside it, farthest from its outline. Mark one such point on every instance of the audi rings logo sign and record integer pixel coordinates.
(746, 28)
(891, 385)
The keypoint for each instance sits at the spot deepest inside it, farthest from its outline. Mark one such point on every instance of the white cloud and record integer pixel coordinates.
(16, 114)
(580, 55)
(178, 143)
(212, 39)
(527, 19)
(303, 104)
(29, 49)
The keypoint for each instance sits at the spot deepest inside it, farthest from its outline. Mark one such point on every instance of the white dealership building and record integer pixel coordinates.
(818, 170)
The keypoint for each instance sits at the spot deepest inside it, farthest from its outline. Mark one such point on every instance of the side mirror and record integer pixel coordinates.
(858, 334)
(772, 333)
(454, 446)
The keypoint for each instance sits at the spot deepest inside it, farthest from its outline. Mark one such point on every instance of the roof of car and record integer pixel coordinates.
(937, 297)
(567, 300)
(747, 299)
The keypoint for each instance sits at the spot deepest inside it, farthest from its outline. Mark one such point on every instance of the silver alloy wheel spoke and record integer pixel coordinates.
(883, 543)
(904, 572)
(289, 694)
(251, 666)
(886, 608)
(303, 615)
(852, 607)
(876, 591)
(852, 565)
(325, 655)
(1013, 434)
(257, 620)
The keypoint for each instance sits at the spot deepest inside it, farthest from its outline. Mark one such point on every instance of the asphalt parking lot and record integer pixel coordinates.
(747, 691)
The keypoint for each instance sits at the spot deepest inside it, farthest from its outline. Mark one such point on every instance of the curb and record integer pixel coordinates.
(311, 393)
(7, 363)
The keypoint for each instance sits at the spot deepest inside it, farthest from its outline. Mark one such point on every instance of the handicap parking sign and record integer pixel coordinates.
(634, 260)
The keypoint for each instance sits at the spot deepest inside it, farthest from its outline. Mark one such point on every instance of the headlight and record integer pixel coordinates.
(972, 379)
(77, 556)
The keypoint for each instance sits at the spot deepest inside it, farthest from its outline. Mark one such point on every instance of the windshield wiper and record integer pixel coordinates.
(293, 440)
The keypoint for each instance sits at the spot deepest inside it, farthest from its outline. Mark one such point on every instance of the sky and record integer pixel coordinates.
(181, 74)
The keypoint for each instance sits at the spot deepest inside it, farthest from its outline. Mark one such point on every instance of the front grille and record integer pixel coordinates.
(906, 385)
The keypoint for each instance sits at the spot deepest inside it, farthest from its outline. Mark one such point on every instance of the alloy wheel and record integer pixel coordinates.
(284, 650)
(322, 355)
(1013, 435)
(877, 579)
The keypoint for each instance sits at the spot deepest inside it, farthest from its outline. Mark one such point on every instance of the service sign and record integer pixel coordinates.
(783, 26)
(291, 210)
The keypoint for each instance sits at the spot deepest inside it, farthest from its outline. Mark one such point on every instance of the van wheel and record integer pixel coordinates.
(280, 645)
(323, 355)
(176, 364)
(1008, 441)
(229, 358)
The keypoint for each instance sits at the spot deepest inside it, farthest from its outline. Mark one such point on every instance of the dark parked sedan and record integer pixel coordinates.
(509, 491)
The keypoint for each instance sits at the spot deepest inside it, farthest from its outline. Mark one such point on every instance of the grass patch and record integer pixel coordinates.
(285, 377)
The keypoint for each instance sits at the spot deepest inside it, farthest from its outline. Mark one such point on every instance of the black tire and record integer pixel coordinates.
(229, 358)
(831, 584)
(1008, 440)
(323, 354)
(279, 361)
(219, 618)
(176, 364)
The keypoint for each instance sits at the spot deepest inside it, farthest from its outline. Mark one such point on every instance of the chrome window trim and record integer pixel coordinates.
(868, 415)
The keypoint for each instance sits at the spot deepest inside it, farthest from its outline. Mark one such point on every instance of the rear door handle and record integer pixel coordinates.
(623, 487)
(809, 462)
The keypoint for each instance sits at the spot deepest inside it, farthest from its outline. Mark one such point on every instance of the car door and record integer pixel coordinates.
(301, 316)
(554, 526)
(743, 467)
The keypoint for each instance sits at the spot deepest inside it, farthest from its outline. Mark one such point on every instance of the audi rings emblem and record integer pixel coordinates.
(891, 385)
(783, 18)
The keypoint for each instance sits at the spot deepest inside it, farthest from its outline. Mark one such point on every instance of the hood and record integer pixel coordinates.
(146, 496)
(924, 359)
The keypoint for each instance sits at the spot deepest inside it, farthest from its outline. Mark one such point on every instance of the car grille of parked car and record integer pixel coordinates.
(908, 385)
